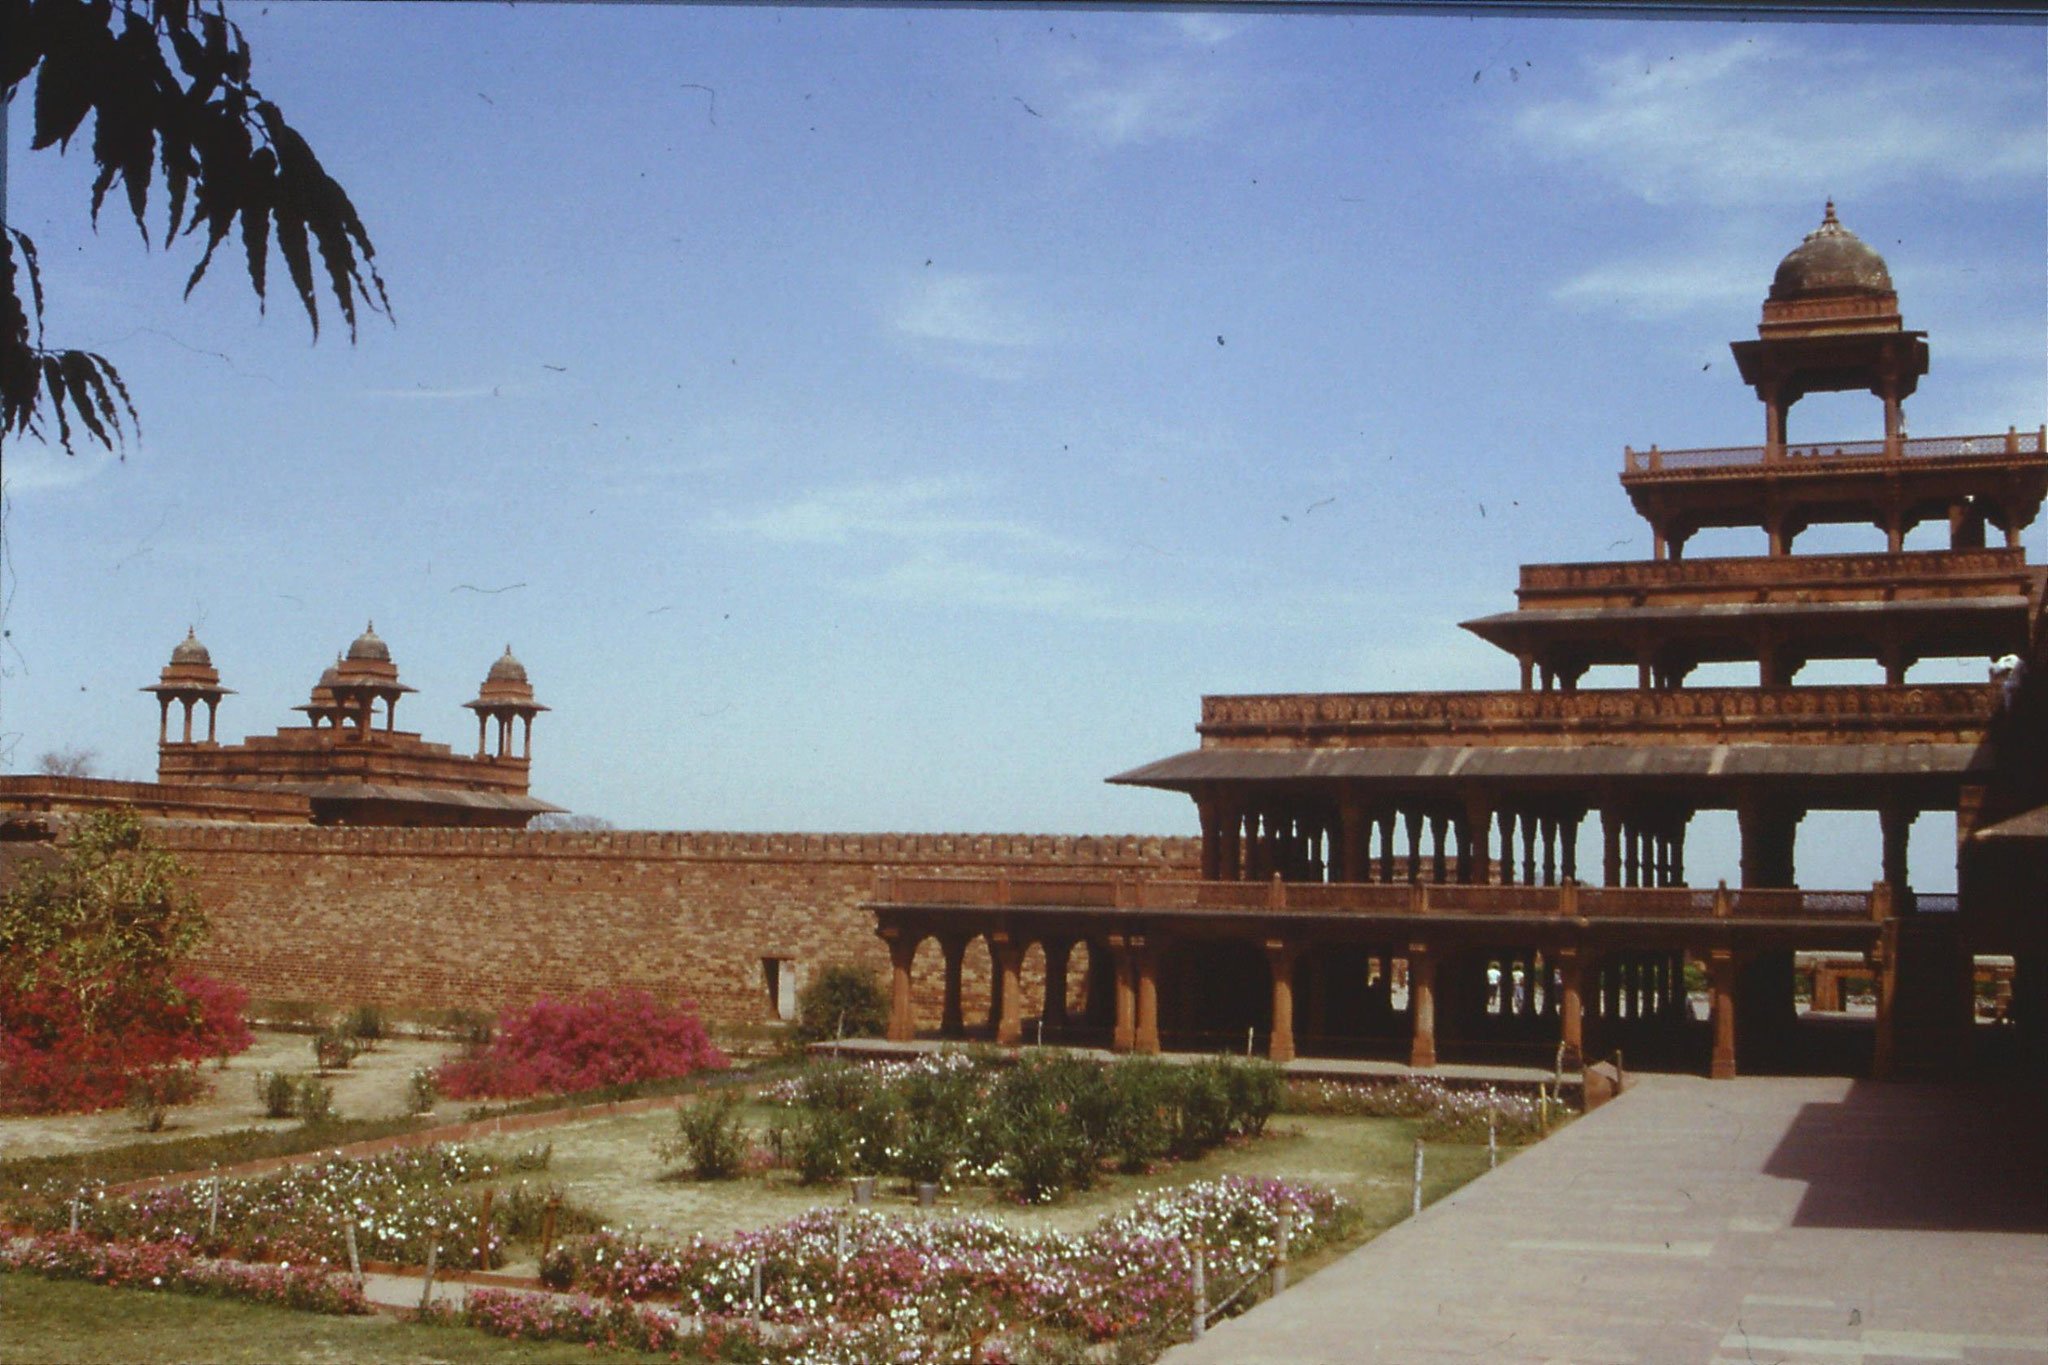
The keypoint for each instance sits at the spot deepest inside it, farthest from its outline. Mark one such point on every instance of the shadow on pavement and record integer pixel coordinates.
(1930, 1157)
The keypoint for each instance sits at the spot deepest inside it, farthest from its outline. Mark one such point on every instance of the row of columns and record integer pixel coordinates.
(1626, 986)
(1659, 669)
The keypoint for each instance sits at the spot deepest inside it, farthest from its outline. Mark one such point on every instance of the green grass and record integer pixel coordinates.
(140, 1160)
(86, 1324)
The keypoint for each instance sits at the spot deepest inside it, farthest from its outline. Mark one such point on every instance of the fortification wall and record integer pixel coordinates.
(484, 918)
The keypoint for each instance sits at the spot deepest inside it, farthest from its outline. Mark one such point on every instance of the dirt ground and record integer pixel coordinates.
(373, 1086)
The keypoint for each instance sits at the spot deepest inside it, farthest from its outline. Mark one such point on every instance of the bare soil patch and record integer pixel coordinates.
(373, 1086)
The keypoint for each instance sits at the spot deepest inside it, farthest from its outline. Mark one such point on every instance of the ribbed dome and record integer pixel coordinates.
(1831, 261)
(190, 651)
(507, 669)
(368, 646)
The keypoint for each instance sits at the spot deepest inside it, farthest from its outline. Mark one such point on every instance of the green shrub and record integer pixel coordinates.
(366, 1024)
(709, 1137)
(1256, 1089)
(822, 1146)
(1140, 1100)
(1203, 1117)
(333, 1049)
(841, 1087)
(275, 1091)
(422, 1092)
(151, 1095)
(1045, 1148)
(937, 1112)
(843, 1001)
(313, 1101)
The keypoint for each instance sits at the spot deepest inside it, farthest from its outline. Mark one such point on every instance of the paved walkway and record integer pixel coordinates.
(1767, 1221)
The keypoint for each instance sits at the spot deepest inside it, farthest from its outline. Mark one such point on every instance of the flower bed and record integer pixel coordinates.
(1103, 1284)
(402, 1202)
(1448, 1113)
(172, 1268)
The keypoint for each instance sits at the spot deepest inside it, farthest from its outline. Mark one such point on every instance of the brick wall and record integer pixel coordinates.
(484, 918)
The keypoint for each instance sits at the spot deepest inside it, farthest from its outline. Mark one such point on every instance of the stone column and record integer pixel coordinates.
(1610, 843)
(951, 1022)
(1422, 1005)
(1008, 1009)
(1058, 953)
(1145, 1035)
(1571, 1013)
(902, 1021)
(1507, 848)
(1721, 976)
(1476, 854)
(1896, 823)
(1280, 955)
(1126, 1028)
(1354, 823)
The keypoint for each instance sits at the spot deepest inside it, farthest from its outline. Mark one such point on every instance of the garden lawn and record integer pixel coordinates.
(610, 1166)
(86, 1324)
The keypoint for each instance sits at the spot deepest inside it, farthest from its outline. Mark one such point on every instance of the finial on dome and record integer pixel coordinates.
(1829, 215)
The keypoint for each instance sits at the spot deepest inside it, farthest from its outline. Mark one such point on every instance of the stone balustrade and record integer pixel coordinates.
(1406, 900)
(1833, 454)
(1928, 713)
(1999, 567)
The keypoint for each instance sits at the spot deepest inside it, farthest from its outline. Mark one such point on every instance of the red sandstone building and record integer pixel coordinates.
(1400, 871)
(341, 768)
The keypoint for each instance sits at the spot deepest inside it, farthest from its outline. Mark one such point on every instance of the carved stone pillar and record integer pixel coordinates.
(1422, 1005)
(1354, 840)
(1280, 955)
(1008, 955)
(1721, 975)
(951, 1023)
(902, 1021)
(1145, 965)
(1058, 953)
(1125, 1031)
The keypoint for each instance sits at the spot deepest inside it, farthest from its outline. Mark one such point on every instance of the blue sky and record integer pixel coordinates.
(872, 419)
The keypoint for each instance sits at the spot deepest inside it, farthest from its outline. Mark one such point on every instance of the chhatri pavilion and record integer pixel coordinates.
(1400, 872)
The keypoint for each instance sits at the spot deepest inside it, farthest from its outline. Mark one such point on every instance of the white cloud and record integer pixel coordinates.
(1756, 119)
(1144, 104)
(965, 310)
(1207, 28)
(917, 512)
(1653, 290)
(32, 468)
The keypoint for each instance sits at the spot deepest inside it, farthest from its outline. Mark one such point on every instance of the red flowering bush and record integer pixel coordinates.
(91, 1002)
(605, 1038)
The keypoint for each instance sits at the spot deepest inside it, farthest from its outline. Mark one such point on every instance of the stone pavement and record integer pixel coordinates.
(1764, 1221)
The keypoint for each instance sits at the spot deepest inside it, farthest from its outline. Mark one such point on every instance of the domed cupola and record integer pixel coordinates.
(1831, 283)
(1831, 324)
(364, 676)
(1831, 261)
(191, 680)
(506, 696)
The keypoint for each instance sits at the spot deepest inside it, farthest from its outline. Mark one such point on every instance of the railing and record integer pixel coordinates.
(1788, 571)
(1672, 902)
(2012, 442)
(1964, 705)
(1408, 899)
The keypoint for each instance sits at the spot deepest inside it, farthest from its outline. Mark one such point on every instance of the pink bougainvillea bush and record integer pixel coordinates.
(605, 1038)
(94, 997)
